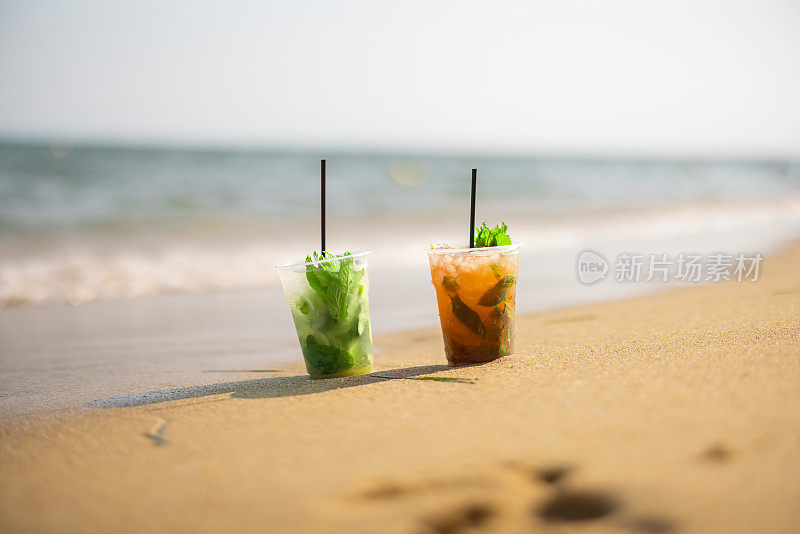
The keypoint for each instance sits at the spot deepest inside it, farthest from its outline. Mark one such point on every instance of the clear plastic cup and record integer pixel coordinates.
(330, 307)
(475, 291)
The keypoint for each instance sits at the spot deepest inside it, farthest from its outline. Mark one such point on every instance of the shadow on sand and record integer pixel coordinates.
(261, 388)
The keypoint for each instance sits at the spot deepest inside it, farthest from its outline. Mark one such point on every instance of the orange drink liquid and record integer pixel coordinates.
(475, 290)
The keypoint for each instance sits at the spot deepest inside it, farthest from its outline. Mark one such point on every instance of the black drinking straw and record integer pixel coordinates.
(322, 204)
(472, 210)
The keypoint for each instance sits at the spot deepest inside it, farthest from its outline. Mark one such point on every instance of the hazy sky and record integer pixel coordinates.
(595, 76)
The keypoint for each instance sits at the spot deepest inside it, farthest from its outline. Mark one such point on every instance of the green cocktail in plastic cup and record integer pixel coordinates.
(330, 307)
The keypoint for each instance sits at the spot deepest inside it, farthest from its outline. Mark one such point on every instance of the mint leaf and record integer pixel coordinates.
(326, 359)
(498, 292)
(334, 281)
(492, 237)
(303, 306)
(449, 284)
(467, 316)
(500, 332)
(501, 240)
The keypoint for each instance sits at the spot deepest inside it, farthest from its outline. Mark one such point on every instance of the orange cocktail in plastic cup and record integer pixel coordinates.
(475, 290)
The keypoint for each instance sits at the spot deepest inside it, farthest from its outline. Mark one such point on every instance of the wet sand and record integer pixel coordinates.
(678, 412)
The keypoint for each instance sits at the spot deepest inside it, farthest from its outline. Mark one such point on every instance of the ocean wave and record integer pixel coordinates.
(80, 276)
(82, 273)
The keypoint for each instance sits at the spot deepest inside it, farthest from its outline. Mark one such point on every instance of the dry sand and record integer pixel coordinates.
(672, 413)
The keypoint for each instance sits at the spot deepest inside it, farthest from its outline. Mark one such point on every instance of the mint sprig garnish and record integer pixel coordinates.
(492, 237)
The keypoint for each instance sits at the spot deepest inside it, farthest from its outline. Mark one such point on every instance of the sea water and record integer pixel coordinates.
(79, 224)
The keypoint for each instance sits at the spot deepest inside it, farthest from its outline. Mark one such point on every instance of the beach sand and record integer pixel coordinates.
(678, 412)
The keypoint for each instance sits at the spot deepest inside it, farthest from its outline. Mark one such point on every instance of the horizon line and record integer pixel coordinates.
(378, 149)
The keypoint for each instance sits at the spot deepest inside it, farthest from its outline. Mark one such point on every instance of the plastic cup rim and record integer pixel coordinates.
(462, 248)
(356, 254)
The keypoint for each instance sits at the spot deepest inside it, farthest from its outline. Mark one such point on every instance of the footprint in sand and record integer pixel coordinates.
(576, 506)
(394, 490)
(717, 453)
(555, 502)
(157, 433)
(469, 517)
(551, 475)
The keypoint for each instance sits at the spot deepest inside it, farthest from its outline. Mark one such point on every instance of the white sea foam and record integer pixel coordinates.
(81, 273)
